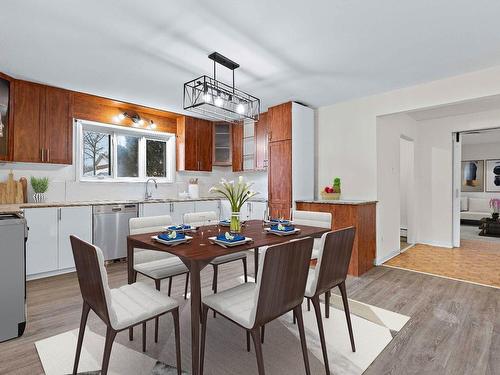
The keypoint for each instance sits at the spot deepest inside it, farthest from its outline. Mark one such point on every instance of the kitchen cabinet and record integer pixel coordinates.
(155, 209)
(279, 179)
(76, 221)
(48, 249)
(280, 122)
(237, 147)
(194, 144)
(178, 209)
(42, 125)
(222, 138)
(249, 211)
(205, 206)
(41, 247)
(261, 144)
(6, 115)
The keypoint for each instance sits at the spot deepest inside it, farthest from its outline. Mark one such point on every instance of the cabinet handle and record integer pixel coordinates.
(48, 155)
(270, 135)
(59, 214)
(41, 152)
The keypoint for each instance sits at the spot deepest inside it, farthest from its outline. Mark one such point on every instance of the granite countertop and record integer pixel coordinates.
(338, 201)
(17, 208)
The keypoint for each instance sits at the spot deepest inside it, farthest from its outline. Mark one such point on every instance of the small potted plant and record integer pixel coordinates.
(332, 192)
(40, 186)
(495, 206)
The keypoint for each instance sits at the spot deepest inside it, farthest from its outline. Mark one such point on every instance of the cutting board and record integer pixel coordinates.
(12, 191)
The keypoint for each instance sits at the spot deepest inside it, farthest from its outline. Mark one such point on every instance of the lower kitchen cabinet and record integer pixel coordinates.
(205, 206)
(249, 211)
(155, 209)
(177, 209)
(41, 247)
(76, 221)
(48, 249)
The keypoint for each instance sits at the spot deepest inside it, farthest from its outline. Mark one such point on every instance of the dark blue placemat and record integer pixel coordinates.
(165, 237)
(237, 237)
(285, 229)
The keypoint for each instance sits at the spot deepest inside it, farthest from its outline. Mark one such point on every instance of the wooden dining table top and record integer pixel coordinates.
(200, 248)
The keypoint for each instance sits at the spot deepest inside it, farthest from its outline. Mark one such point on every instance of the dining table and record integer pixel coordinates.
(197, 253)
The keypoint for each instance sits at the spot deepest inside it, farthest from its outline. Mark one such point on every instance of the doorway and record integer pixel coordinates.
(406, 192)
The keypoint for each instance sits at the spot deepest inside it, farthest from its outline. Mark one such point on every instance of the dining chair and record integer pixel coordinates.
(200, 219)
(280, 287)
(314, 219)
(331, 271)
(156, 265)
(119, 308)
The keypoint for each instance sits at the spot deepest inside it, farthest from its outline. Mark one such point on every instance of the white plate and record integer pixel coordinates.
(229, 244)
(172, 242)
(282, 232)
(286, 224)
(192, 229)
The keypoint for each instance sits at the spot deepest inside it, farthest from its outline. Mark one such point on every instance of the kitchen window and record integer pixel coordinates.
(116, 154)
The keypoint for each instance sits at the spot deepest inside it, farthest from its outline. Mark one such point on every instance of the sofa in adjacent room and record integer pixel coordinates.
(472, 210)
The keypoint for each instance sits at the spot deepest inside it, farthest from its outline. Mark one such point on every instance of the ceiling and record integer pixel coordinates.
(317, 53)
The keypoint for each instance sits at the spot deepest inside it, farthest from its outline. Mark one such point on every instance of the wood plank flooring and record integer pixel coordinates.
(454, 326)
(476, 261)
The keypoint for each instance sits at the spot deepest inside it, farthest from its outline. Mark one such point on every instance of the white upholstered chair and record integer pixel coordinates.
(156, 265)
(314, 219)
(119, 308)
(279, 288)
(202, 218)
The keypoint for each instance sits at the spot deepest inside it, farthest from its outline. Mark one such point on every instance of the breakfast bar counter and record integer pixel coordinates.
(360, 214)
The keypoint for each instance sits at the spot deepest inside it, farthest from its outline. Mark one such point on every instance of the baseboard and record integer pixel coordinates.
(448, 245)
(392, 254)
(49, 274)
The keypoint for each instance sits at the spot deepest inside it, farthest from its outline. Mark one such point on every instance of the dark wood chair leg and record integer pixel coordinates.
(248, 340)
(204, 316)
(258, 349)
(110, 338)
(300, 323)
(169, 286)
(317, 310)
(347, 313)
(214, 283)
(157, 319)
(83, 324)
(245, 271)
(308, 304)
(294, 317)
(175, 315)
(144, 336)
(262, 332)
(131, 333)
(186, 286)
(327, 304)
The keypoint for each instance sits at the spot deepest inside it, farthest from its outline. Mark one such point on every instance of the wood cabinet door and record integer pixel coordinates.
(28, 105)
(280, 122)
(204, 140)
(237, 145)
(280, 176)
(58, 127)
(261, 157)
(187, 148)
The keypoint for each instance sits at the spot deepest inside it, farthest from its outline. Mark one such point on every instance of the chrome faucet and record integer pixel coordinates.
(149, 194)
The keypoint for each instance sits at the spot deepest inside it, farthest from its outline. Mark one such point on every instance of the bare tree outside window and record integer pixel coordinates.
(96, 152)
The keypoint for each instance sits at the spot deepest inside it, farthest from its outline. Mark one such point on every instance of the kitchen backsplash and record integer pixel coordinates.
(64, 187)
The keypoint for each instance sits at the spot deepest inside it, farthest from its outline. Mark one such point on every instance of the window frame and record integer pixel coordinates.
(115, 131)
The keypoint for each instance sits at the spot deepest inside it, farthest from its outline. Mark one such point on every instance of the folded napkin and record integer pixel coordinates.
(236, 237)
(282, 228)
(166, 236)
(179, 227)
(279, 221)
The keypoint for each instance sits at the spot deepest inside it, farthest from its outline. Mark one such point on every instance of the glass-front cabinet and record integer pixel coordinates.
(222, 144)
(5, 96)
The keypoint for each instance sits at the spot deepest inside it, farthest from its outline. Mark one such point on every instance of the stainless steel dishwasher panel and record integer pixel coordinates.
(110, 223)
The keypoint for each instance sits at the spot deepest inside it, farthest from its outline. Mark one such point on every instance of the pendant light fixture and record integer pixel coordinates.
(218, 101)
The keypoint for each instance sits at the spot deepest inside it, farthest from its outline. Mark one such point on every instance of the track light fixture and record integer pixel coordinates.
(137, 121)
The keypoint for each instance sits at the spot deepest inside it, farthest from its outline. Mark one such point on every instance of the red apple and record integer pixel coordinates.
(327, 189)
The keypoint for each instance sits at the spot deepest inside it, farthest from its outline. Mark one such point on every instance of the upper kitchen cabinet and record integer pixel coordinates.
(6, 99)
(222, 143)
(194, 144)
(280, 122)
(237, 147)
(261, 145)
(42, 126)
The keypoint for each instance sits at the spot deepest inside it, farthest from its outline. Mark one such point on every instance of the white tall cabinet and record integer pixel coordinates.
(48, 249)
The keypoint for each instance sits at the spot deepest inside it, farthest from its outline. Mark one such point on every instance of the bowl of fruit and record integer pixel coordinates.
(332, 192)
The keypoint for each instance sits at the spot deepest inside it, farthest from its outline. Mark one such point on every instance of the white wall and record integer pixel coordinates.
(348, 141)
(482, 151)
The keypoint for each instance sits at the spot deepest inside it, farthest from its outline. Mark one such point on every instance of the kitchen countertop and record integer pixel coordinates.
(339, 201)
(17, 208)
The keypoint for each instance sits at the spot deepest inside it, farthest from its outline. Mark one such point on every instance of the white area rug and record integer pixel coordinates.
(373, 328)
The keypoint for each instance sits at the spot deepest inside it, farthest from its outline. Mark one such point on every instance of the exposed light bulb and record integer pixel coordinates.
(152, 125)
(140, 122)
(240, 108)
(121, 116)
(218, 101)
(207, 97)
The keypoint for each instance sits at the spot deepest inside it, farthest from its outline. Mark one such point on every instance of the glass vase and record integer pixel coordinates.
(235, 225)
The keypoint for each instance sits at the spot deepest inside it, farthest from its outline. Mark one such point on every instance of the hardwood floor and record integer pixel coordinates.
(476, 261)
(454, 326)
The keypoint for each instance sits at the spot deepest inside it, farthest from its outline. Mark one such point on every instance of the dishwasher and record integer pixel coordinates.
(110, 223)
